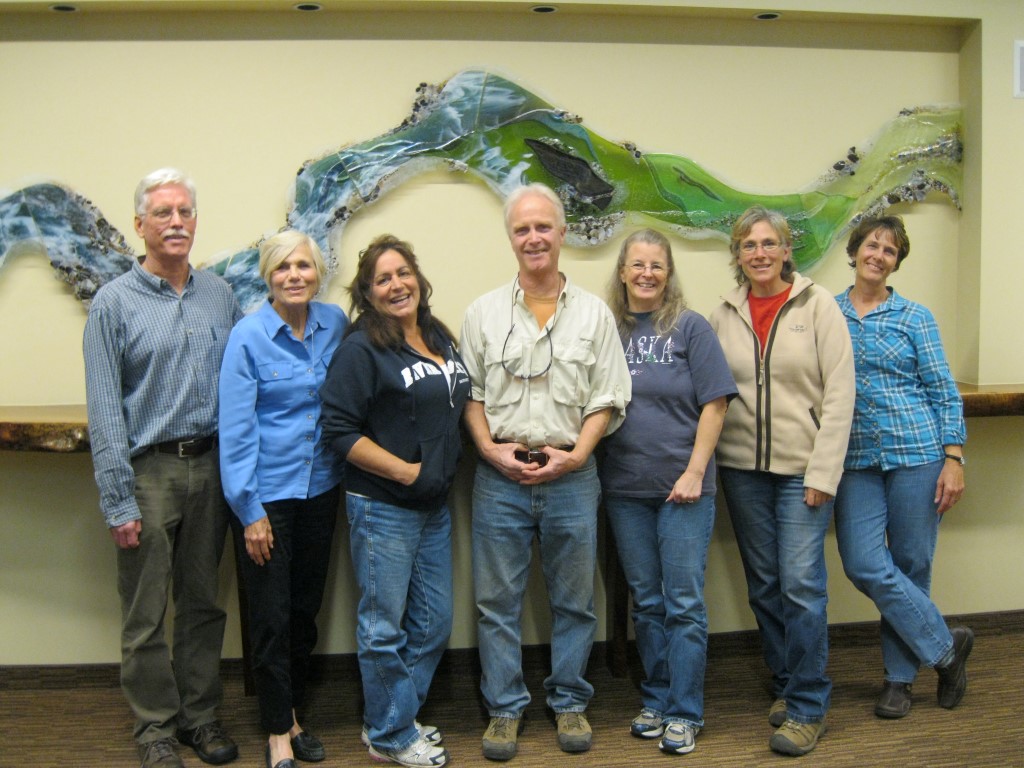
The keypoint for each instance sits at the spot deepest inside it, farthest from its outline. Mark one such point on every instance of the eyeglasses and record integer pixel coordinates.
(164, 215)
(512, 327)
(527, 376)
(639, 267)
(768, 246)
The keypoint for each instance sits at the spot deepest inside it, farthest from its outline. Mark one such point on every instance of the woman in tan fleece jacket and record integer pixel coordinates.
(780, 458)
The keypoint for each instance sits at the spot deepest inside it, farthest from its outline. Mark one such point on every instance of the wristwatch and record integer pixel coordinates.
(958, 459)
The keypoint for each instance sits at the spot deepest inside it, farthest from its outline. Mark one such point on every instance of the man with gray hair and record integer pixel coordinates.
(549, 380)
(153, 344)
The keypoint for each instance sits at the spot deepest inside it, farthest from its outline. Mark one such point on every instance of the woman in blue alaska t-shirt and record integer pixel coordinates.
(658, 478)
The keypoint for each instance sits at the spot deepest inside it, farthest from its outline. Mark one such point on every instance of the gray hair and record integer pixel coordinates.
(539, 190)
(673, 304)
(161, 178)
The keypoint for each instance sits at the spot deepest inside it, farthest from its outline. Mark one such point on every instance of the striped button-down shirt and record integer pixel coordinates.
(152, 364)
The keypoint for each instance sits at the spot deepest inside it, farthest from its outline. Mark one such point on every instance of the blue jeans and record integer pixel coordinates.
(663, 547)
(886, 529)
(782, 543)
(507, 516)
(403, 564)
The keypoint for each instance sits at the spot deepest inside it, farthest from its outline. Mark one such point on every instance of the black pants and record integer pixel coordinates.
(284, 596)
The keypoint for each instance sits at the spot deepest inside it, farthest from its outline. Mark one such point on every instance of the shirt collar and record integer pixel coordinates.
(273, 323)
(891, 304)
(156, 282)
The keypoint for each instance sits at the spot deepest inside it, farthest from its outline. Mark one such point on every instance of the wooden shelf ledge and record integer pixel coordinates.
(992, 399)
(65, 429)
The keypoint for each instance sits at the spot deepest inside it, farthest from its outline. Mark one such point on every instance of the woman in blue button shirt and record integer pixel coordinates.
(281, 480)
(903, 470)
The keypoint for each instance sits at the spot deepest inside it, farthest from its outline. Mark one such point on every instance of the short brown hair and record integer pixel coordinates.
(891, 224)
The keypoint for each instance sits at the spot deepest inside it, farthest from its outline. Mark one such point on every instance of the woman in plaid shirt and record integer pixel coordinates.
(903, 469)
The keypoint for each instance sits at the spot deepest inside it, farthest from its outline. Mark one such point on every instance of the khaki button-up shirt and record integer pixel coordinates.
(574, 365)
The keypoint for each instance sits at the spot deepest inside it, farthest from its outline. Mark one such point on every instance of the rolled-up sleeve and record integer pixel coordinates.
(611, 384)
(471, 349)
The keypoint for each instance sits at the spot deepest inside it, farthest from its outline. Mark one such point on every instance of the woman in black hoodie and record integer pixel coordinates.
(392, 401)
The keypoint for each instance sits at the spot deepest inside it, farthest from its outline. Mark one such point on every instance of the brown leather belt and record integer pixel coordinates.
(187, 449)
(535, 454)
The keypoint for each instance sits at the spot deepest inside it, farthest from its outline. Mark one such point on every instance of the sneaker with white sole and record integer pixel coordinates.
(678, 738)
(428, 732)
(419, 754)
(647, 725)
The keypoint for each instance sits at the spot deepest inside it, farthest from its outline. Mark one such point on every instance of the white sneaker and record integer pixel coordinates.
(678, 738)
(647, 725)
(428, 732)
(419, 754)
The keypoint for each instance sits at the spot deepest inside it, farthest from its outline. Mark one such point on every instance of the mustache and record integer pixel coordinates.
(176, 232)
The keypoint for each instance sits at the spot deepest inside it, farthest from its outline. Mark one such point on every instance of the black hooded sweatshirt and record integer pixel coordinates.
(404, 403)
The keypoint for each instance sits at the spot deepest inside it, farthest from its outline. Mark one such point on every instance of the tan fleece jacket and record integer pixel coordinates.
(795, 406)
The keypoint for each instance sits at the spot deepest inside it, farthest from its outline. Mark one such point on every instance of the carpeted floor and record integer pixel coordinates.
(77, 717)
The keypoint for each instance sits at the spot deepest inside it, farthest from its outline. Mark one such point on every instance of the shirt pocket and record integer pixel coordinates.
(570, 373)
(218, 341)
(275, 379)
(503, 388)
(897, 353)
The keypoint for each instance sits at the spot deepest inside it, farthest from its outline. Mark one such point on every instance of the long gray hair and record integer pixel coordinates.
(673, 304)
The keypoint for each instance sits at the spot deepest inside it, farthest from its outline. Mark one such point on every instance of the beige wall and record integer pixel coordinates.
(95, 100)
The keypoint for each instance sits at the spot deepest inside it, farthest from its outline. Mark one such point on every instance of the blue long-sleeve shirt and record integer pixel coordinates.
(270, 446)
(907, 406)
(152, 358)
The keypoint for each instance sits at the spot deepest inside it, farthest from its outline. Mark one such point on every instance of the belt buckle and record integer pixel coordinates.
(182, 446)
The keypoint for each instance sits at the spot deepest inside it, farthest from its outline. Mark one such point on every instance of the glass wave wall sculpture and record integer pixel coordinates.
(486, 126)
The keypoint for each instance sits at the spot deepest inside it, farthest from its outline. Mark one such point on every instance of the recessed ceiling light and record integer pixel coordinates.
(307, 7)
(544, 8)
(767, 16)
(64, 8)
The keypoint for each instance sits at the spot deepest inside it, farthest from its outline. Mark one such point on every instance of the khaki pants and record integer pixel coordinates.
(184, 520)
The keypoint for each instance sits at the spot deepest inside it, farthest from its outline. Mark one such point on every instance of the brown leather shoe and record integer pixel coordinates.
(159, 754)
(210, 742)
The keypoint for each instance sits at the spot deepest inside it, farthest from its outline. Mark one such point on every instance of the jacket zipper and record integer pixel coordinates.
(762, 413)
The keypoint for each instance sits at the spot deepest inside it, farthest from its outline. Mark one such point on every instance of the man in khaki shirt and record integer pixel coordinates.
(549, 380)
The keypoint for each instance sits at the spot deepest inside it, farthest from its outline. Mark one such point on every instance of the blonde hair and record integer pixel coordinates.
(274, 250)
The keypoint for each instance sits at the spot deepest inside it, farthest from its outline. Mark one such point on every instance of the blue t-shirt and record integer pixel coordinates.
(673, 376)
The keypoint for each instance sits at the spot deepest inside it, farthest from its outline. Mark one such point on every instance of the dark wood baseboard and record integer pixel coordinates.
(459, 662)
